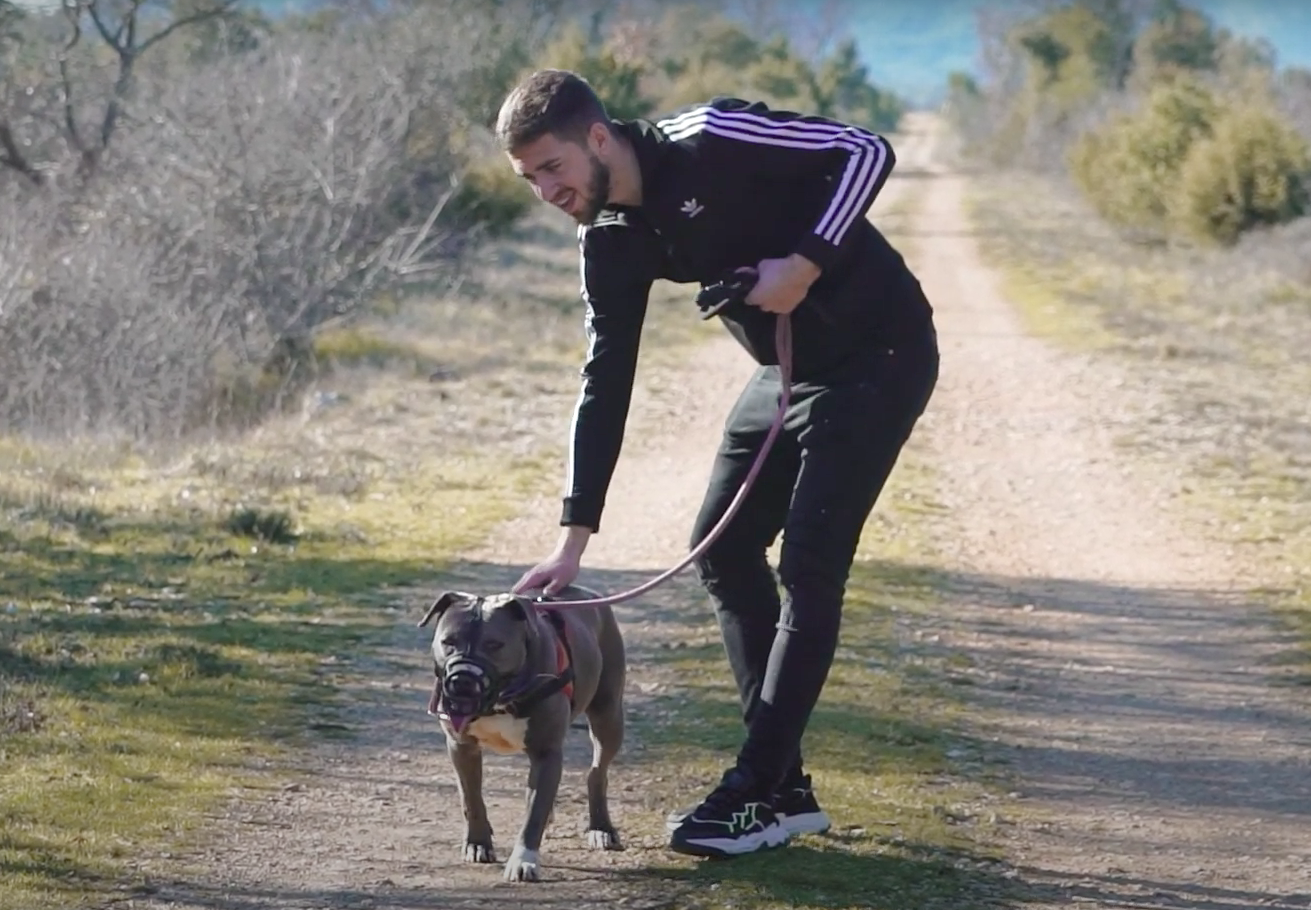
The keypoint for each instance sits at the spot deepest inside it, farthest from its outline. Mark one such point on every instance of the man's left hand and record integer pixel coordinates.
(782, 284)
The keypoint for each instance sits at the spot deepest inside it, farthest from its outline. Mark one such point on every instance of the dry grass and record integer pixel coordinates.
(1213, 343)
(172, 620)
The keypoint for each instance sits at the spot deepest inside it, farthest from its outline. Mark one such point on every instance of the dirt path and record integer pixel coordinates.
(375, 821)
(1159, 767)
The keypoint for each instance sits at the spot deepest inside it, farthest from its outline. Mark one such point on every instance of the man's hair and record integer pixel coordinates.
(552, 101)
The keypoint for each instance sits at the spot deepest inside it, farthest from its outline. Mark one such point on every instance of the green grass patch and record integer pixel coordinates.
(912, 795)
(172, 624)
(1217, 337)
(165, 634)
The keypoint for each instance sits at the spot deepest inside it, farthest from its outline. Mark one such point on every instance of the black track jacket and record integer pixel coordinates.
(726, 184)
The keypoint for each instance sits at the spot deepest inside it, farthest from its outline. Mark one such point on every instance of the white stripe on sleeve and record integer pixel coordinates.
(866, 166)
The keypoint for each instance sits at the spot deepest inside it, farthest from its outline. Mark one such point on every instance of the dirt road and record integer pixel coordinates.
(1157, 768)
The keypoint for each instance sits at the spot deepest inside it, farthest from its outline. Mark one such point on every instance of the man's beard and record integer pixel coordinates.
(598, 192)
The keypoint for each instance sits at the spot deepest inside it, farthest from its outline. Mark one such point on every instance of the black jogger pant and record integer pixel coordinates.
(817, 487)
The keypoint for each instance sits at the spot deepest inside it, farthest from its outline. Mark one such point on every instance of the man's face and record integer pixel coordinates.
(572, 177)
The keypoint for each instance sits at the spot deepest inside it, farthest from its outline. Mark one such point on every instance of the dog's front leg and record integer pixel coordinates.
(546, 766)
(467, 757)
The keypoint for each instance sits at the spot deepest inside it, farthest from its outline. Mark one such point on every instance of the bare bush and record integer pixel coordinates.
(86, 339)
(165, 275)
(297, 182)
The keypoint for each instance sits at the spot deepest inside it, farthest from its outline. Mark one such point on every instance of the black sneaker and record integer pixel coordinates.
(794, 805)
(730, 822)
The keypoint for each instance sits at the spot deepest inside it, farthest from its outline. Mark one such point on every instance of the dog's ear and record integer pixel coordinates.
(523, 609)
(441, 605)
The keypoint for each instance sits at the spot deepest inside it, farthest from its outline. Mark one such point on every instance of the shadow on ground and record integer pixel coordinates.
(875, 881)
(1144, 659)
(1126, 892)
(196, 597)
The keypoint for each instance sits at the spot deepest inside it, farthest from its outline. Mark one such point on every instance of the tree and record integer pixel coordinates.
(1179, 40)
(129, 31)
(233, 31)
(843, 90)
(11, 37)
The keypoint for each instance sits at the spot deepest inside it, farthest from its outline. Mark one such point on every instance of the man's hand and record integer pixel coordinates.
(782, 284)
(553, 574)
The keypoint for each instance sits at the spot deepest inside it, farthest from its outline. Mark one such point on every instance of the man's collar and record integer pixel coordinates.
(649, 144)
(650, 147)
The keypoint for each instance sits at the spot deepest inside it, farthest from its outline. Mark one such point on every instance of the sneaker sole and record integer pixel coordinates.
(795, 825)
(771, 837)
(805, 823)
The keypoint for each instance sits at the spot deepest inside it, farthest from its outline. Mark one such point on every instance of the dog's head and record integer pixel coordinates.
(482, 650)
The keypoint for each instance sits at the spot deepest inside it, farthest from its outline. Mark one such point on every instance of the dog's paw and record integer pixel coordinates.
(479, 853)
(523, 866)
(604, 839)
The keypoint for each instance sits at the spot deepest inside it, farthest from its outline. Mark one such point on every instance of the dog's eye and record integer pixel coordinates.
(449, 644)
(494, 646)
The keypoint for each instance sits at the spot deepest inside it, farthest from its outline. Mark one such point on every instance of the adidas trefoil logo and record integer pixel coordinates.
(691, 209)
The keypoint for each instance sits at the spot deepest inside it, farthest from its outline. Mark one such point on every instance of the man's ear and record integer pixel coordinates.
(599, 139)
(441, 605)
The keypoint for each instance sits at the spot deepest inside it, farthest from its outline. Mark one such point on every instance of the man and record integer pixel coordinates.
(714, 188)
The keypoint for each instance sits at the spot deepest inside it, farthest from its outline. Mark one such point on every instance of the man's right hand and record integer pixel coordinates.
(553, 574)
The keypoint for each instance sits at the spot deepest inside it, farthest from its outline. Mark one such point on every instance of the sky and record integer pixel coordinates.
(910, 46)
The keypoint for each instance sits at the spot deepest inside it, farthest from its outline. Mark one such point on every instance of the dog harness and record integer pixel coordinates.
(563, 681)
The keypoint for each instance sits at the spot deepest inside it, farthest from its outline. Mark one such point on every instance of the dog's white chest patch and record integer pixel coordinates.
(500, 732)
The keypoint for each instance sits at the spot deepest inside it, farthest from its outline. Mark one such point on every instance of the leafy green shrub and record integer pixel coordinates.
(1255, 169)
(490, 196)
(1129, 167)
(781, 79)
(616, 78)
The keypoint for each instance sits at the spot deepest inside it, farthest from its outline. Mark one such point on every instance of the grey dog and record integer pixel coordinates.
(511, 676)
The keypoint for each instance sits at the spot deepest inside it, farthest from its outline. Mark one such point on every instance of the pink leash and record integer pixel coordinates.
(783, 346)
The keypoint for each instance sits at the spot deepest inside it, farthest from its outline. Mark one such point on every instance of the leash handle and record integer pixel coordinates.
(732, 288)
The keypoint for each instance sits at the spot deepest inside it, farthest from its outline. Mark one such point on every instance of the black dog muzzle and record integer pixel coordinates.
(466, 690)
